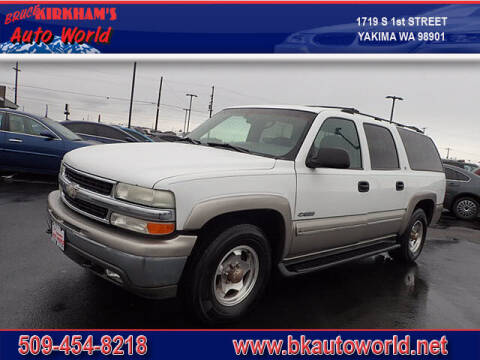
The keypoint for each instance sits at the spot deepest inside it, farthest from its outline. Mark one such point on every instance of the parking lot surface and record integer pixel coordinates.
(41, 288)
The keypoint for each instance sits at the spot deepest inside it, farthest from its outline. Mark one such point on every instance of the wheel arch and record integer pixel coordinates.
(426, 201)
(271, 213)
(463, 195)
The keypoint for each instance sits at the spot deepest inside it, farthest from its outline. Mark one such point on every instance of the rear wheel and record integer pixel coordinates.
(466, 208)
(227, 274)
(413, 239)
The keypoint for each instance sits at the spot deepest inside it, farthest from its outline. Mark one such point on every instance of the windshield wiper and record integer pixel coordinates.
(229, 146)
(187, 139)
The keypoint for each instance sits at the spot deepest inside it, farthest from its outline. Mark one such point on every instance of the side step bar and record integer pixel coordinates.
(326, 261)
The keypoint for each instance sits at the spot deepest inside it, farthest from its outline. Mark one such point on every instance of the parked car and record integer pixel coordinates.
(33, 144)
(470, 167)
(104, 133)
(297, 187)
(463, 193)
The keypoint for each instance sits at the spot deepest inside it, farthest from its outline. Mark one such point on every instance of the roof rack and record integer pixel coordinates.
(351, 110)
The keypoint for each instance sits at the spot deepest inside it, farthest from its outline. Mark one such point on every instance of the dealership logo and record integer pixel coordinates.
(73, 35)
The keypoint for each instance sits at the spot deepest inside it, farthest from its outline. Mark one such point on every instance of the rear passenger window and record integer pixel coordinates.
(381, 146)
(421, 151)
(455, 175)
(340, 134)
(111, 133)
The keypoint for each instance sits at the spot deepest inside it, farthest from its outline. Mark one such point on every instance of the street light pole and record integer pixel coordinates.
(394, 98)
(185, 121)
(190, 110)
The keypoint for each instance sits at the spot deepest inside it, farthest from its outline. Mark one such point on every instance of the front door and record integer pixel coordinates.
(27, 150)
(332, 204)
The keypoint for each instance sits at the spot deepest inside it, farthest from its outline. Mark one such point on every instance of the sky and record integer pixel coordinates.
(439, 96)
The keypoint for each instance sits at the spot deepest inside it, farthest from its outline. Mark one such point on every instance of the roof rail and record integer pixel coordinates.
(351, 110)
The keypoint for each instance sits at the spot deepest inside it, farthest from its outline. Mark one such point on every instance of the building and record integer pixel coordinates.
(4, 102)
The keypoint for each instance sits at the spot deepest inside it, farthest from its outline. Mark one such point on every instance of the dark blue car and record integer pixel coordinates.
(29, 143)
(104, 133)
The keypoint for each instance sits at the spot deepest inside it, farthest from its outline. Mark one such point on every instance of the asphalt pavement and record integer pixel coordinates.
(41, 288)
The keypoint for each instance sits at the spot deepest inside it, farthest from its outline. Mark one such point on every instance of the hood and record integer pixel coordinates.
(144, 164)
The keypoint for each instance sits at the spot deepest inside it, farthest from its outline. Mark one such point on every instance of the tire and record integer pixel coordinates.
(413, 239)
(217, 294)
(466, 208)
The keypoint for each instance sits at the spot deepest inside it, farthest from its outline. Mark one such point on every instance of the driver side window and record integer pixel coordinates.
(24, 125)
(340, 134)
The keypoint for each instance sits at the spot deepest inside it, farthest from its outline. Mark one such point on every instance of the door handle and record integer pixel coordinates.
(15, 140)
(363, 186)
(400, 185)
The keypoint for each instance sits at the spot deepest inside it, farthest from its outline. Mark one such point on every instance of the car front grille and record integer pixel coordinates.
(89, 183)
(95, 210)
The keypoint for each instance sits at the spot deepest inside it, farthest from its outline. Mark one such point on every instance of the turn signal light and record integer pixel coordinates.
(160, 228)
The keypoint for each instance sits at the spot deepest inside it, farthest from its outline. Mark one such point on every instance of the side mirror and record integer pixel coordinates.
(329, 158)
(48, 135)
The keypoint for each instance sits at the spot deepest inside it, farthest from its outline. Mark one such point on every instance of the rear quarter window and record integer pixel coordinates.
(421, 151)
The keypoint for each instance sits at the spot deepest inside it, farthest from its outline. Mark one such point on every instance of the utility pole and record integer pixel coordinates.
(158, 102)
(185, 121)
(67, 111)
(448, 152)
(394, 98)
(190, 110)
(99, 118)
(46, 110)
(17, 70)
(131, 95)
(210, 106)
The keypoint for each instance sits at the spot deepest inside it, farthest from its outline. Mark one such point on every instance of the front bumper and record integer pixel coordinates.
(147, 266)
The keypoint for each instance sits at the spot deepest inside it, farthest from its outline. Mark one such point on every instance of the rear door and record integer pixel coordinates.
(26, 149)
(388, 198)
(331, 208)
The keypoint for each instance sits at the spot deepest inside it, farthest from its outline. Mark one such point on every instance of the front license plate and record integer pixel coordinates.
(58, 235)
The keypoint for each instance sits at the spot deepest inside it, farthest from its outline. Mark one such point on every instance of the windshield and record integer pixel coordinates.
(276, 133)
(61, 130)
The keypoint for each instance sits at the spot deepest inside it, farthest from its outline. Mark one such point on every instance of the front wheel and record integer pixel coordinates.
(227, 274)
(413, 239)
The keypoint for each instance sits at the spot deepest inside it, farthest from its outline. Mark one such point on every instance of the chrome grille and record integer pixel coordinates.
(87, 207)
(89, 183)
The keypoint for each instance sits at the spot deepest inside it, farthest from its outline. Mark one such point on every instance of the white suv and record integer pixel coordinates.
(300, 188)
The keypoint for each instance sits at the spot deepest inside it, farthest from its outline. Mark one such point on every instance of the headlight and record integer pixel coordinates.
(62, 169)
(144, 196)
(141, 226)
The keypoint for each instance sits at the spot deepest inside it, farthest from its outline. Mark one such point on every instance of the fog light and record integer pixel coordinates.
(113, 275)
(141, 226)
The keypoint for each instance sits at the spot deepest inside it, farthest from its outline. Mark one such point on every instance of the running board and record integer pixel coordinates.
(326, 261)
